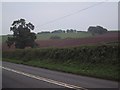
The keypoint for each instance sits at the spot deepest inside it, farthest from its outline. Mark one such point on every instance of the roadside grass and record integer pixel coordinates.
(104, 71)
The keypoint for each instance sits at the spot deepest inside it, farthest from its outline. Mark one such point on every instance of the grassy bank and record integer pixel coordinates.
(95, 70)
(97, 61)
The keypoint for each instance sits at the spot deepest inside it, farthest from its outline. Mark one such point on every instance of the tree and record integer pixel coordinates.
(91, 29)
(100, 30)
(58, 31)
(22, 35)
(97, 30)
(71, 31)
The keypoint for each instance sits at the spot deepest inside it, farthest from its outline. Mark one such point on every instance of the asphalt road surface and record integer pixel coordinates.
(22, 76)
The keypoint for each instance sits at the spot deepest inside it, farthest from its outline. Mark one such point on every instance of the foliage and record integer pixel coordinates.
(97, 30)
(84, 54)
(61, 31)
(43, 32)
(71, 31)
(98, 61)
(22, 35)
(10, 41)
(58, 31)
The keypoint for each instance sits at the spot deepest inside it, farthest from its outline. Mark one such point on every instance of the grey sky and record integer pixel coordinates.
(38, 13)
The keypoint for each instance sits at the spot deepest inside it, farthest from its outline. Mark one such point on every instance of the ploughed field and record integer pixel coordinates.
(105, 38)
(97, 39)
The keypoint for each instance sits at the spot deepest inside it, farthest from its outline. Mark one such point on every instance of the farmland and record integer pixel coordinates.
(72, 42)
(99, 39)
(95, 56)
(47, 36)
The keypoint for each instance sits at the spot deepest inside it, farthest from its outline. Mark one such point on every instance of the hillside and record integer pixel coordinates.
(105, 38)
(98, 39)
(47, 36)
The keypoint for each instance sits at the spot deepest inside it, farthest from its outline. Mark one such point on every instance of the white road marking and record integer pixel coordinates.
(45, 79)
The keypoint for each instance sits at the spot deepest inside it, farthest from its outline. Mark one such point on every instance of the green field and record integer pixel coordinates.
(4, 37)
(46, 36)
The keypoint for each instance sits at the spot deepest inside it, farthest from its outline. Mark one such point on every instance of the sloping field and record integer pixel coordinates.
(47, 36)
(105, 38)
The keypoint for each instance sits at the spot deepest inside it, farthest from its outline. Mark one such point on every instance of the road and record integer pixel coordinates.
(22, 76)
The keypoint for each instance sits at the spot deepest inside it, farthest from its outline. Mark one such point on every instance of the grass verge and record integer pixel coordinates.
(103, 71)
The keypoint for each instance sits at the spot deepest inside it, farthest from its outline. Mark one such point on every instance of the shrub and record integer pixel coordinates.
(84, 54)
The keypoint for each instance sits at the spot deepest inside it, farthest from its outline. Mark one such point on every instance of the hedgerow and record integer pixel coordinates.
(83, 54)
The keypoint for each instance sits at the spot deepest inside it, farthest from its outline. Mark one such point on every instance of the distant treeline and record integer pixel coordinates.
(61, 31)
(91, 29)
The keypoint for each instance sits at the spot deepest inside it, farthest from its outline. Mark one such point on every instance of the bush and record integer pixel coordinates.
(84, 54)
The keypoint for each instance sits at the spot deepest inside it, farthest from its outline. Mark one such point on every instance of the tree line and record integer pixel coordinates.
(92, 29)
(59, 31)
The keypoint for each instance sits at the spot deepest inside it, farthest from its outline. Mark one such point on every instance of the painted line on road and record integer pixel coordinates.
(45, 79)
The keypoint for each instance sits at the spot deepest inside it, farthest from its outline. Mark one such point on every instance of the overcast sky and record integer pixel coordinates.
(41, 13)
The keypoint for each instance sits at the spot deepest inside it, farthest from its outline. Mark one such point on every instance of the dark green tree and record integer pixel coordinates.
(97, 30)
(22, 35)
